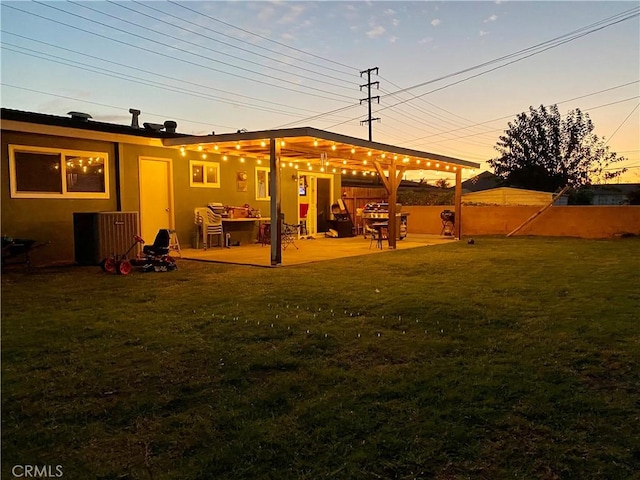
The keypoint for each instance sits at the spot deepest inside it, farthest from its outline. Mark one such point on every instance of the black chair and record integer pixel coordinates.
(160, 245)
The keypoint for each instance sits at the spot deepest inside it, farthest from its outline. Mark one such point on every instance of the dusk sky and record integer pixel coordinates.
(468, 67)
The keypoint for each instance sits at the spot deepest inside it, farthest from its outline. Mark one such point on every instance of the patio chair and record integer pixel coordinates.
(289, 235)
(209, 223)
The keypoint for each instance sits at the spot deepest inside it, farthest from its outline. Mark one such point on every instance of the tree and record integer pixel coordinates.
(442, 183)
(542, 151)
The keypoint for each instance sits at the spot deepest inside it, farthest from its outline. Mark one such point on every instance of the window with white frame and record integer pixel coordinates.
(263, 187)
(43, 172)
(204, 174)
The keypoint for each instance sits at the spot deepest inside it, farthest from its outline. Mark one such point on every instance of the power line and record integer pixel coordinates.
(165, 34)
(121, 108)
(182, 5)
(147, 82)
(168, 56)
(144, 71)
(146, 5)
(623, 122)
(575, 37)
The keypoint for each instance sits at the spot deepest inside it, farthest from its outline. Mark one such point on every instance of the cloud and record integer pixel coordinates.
(266, 13)
(435, 22)
(392, 39)
(287, 36)
(492, 18)
(483, 33)
(389, 11)
(395, 22)
(295, 10)
(425, 40)
(376, 31)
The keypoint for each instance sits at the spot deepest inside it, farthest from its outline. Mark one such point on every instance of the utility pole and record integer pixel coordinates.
(369, 120)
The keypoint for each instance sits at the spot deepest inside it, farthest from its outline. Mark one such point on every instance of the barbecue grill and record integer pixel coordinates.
(448, 218)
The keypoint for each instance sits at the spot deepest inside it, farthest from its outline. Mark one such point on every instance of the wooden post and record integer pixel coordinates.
(391, 186)
(538, 213)
(276, 208)
(458, 204)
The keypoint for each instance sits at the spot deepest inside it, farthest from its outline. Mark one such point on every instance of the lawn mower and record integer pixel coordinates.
(154, 258)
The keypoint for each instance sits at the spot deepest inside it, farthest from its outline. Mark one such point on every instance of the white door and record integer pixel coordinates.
(156, 199)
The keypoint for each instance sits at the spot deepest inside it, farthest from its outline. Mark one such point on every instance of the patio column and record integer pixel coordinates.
(458, 204)
(391, 185)
(276, 210)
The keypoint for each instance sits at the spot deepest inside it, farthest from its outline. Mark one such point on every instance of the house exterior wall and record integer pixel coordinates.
(50, 219)
(570, 221)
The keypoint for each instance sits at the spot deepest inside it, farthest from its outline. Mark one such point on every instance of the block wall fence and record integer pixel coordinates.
(566, 221)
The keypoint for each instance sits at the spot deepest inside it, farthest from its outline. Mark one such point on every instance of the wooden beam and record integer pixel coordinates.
(458, 205)
(393, 191)
(276, 207)
(383, 177)
(538, 213)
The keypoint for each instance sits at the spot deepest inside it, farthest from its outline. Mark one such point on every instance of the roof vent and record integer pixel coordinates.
(134, 117)
(156, 127)
(170, 126)
(80, 116)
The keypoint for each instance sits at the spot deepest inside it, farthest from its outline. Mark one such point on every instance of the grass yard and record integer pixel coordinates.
(510, 358)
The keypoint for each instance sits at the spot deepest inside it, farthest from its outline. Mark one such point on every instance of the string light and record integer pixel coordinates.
(315, 143)
(204, 156)
(263, 143)
(224, 157)
(333, 147)
(237, 146)
(353, 150)
(241, 159)
(199, 148)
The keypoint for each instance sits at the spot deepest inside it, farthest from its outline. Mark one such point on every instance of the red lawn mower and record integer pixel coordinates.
(154, 258)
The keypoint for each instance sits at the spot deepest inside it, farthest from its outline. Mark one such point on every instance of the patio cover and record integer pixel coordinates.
(311, 149)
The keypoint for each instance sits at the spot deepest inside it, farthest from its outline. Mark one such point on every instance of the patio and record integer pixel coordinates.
(309, 250)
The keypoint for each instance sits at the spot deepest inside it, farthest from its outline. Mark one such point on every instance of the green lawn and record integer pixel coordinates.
(510, 358)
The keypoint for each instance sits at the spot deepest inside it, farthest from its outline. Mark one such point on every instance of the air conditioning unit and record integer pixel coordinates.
(98, 235)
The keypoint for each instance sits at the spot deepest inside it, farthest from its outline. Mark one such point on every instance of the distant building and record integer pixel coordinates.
(614, 194)
(511, 196)
(482, 181)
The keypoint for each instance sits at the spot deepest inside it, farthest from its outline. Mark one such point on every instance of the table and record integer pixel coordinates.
(243, 221)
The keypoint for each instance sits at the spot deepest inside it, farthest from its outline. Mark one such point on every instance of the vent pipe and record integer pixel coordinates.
(170, 126)
(134, 117)
(80, 116)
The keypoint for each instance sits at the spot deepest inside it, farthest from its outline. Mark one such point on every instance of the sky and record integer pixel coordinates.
(451, 75)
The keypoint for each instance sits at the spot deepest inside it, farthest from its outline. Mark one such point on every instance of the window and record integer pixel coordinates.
(204, 174)
(263, 187)
(39, 172)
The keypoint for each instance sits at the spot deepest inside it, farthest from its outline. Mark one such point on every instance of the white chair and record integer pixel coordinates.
(209, 223)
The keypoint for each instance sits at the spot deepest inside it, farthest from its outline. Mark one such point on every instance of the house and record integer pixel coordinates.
(54, 167)
(483, 181)
(613, 194)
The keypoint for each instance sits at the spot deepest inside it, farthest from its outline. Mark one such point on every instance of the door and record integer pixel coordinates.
(323, 213)
(156, 199)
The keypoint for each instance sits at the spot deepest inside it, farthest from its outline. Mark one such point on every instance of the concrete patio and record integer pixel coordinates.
(308, 251)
